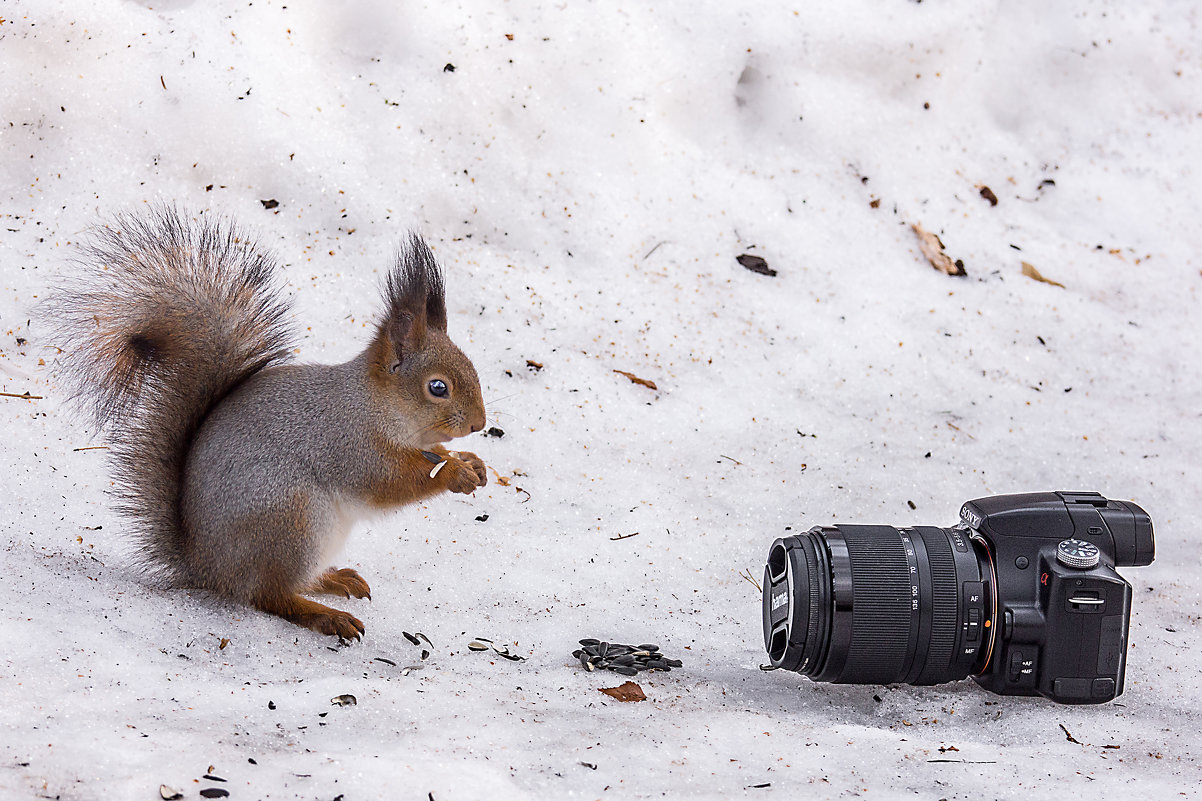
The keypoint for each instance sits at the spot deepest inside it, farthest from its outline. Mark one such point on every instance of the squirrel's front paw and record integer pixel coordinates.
(469, 473)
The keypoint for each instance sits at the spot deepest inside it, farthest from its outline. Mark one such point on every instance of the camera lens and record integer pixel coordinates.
(879, 605)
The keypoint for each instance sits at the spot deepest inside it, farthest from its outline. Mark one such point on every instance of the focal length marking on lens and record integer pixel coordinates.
(915, 594)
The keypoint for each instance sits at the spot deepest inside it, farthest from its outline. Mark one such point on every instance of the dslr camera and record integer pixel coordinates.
(1022, 595)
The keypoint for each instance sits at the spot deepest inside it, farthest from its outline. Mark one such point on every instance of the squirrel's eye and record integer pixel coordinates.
(438, 388)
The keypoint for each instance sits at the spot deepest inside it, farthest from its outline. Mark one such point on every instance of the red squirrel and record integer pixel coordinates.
(240, 472)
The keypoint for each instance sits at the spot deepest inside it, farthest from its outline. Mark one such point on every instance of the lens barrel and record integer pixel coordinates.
(879, 605)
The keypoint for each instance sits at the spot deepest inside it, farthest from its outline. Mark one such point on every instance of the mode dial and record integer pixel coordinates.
(1078, 553)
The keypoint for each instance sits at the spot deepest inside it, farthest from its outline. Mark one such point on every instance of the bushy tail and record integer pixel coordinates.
(168, 315)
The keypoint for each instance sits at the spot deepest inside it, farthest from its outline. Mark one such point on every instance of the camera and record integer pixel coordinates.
(1022, 595)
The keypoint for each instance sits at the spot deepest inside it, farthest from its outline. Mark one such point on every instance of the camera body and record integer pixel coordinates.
(1022, 595)
(1061, 610)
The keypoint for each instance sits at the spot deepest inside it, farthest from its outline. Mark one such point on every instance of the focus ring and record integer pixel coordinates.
(943, 607)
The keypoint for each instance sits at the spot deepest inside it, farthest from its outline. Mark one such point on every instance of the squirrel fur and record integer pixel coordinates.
(242, 473)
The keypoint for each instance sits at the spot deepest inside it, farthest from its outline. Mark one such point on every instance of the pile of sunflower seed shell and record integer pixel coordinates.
(627, 660)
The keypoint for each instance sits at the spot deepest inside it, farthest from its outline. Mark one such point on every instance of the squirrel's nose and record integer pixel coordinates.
(478, 424)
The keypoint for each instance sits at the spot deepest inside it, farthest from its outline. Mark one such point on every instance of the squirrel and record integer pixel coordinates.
(241, 472)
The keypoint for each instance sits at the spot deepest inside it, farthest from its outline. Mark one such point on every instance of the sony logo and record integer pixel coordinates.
(970, 517)
(779, 600)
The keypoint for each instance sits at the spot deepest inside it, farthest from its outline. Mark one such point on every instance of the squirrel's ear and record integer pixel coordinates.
(415, 297)
(421, 264)
(406, 334)
(436, 309)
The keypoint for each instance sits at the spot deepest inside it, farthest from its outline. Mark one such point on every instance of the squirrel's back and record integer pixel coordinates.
(167, 316)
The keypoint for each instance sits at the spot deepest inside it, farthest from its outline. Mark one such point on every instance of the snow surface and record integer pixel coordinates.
(588, 172)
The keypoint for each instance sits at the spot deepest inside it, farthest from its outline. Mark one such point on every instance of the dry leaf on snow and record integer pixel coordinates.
(640, 381)
(627, 691)
(1030, 271)
(932, 248)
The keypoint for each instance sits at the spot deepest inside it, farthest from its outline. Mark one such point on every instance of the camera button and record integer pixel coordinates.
(1021, 563)
(974, 625)
(1022, 666)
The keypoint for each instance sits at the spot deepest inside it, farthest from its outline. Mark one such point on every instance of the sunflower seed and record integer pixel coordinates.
(412, 640)
(621, 658)
(425, 655)
(169, 793)
(424, 639)
(344, 700)
(214, 792)
(477, 646)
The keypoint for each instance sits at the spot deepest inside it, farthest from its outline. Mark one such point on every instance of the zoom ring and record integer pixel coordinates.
(881, 628)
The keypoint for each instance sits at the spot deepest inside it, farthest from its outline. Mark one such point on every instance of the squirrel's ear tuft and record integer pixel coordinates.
(422, 270)
(414, 295)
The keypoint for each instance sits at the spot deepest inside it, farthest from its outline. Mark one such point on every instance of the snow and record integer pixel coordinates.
(588, 184)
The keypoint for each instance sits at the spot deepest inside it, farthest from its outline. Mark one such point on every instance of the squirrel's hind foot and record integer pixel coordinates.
(314, 616)
(346, 583)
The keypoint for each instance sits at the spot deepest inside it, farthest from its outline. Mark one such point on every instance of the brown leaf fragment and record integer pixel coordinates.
(533, 365)
(755, 264)
(932, 248)
(627, 691)
(224, 642)
(875, 203)
(642, 382)
(270, 204)
(1030, 271)
(987, 193)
